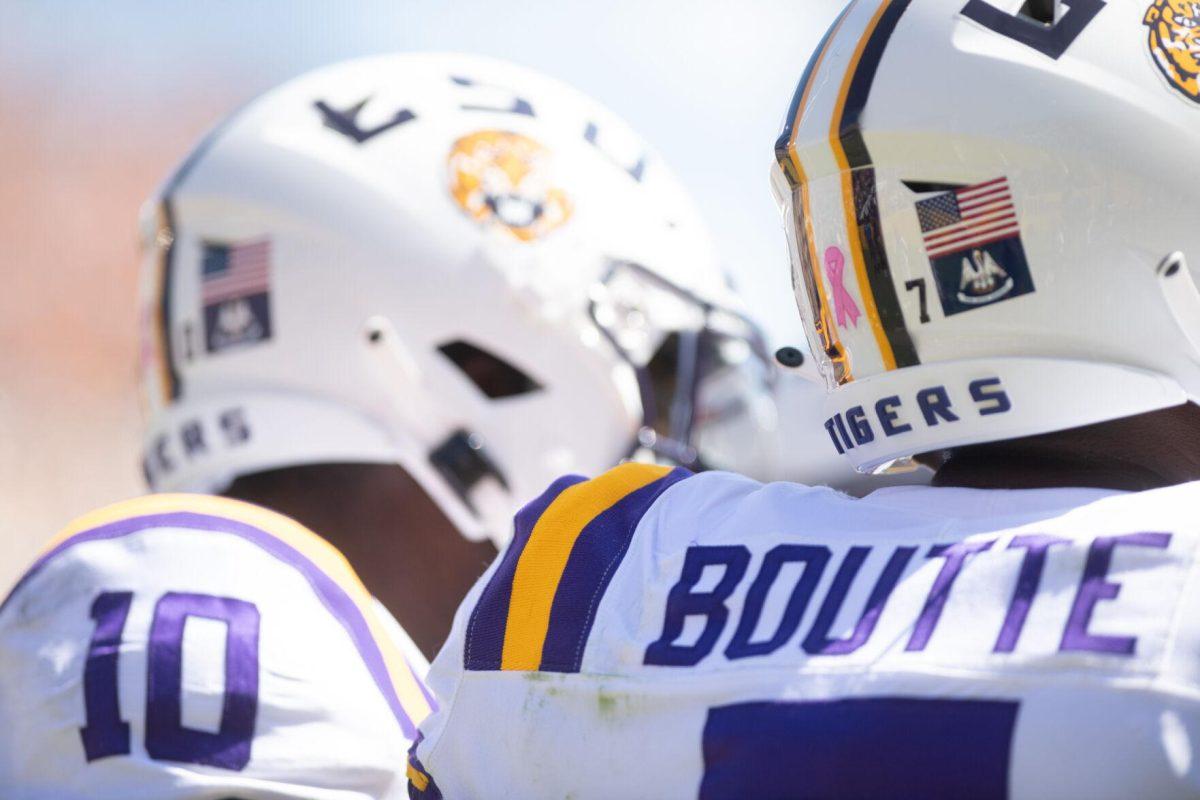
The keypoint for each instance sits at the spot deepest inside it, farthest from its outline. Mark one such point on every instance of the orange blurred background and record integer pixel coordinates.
(99, 100)
(69, 199)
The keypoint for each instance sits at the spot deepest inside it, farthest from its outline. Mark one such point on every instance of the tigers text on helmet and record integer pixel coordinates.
(425, 260)
(990, 210)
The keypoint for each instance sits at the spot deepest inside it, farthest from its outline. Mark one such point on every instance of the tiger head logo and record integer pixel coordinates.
(1175, 43)
(505, 178)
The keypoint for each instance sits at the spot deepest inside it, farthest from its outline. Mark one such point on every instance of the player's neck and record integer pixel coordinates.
(406, 552)
(1146, 451)
(1024, 470)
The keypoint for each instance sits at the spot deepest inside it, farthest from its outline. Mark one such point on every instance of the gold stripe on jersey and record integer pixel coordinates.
(540, 568)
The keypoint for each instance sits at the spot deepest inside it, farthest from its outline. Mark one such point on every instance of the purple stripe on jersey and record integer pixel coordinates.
(598, 551)
(863, 747)
(431, 790)
(484, 645)
(332, 596)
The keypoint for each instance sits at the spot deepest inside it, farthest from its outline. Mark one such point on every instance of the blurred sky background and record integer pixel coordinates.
(99, 100)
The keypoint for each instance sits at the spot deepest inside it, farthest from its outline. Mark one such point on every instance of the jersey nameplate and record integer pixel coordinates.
(1033, 595)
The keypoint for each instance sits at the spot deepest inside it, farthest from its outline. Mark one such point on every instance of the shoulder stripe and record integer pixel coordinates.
(485, 632)
(598, 550)
(421, 785)
(541, 566)
(538, 608)
(323, 566)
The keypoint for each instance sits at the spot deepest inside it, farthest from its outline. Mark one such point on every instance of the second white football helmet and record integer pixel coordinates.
(441, 261)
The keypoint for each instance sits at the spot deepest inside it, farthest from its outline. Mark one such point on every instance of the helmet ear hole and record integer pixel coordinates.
(1042, 11)
(491, 374)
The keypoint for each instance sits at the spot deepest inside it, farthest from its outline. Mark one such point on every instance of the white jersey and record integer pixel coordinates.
(183, 646)
(651, 634)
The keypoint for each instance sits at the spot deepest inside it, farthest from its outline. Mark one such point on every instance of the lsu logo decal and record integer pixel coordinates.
(1175, 43)
(505, 178)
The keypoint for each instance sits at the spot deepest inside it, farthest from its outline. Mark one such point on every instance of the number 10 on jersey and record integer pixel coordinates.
(105, 734)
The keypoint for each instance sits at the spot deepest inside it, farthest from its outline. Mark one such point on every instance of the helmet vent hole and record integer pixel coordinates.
(1170, 265)
(491, 374)
(1042, 11)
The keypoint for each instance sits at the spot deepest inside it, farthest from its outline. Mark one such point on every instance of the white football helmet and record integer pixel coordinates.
(989, 211)
(441, 261)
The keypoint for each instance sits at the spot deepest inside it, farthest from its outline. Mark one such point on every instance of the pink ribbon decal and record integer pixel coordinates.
(843, 303)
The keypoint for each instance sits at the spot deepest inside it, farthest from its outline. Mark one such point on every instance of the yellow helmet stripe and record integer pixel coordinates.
(794, 168)
(881, 305)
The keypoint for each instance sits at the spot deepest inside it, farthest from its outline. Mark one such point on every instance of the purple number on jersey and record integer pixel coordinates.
(859, 747)
(105, 734)
(166, 738)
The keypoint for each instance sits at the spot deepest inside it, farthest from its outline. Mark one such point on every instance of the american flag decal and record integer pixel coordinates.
(967, 218)
(234, 271)
(235, 292)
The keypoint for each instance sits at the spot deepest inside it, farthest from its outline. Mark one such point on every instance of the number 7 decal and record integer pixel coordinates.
(1052, 39)
(106, 734)
(919, 285)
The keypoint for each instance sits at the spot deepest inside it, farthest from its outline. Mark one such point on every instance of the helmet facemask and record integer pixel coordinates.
(701, 368)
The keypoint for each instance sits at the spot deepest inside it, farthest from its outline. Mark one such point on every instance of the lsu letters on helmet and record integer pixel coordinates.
(441, 261)
(989, 209)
